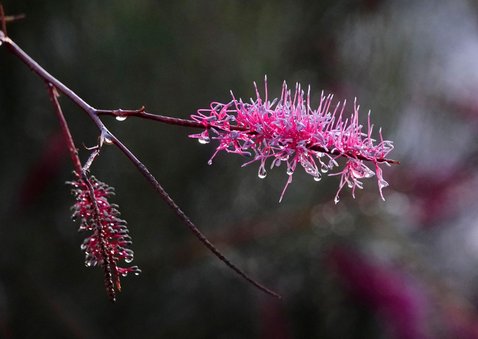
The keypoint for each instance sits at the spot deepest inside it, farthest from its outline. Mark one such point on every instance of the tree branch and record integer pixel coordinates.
(105, 135)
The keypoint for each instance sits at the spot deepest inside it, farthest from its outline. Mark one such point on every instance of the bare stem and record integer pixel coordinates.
(105, 134)
(65, 129)
(141, 113)
(185, 219)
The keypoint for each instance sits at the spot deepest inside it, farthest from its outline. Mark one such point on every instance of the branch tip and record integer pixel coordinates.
(7, 18)
(3, 19)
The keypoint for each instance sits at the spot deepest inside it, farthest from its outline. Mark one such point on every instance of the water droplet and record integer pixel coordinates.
(128, 260)
(382, 183)
(324, 169)
(290, 171)
(284, 157)
(121, 117)
(262, 173)
(203, 140)
(336, 200)
(107, 139)
(136, 273)
(318, 177)
(209, 162)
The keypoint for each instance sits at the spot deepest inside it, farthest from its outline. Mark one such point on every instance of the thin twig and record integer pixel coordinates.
(140, 113)
(184, 218)
(105, 134)
(3, 20)
(65, 129)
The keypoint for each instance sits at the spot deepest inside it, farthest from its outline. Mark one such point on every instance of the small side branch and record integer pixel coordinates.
(141, 113)
(65, 129)
(55, 87)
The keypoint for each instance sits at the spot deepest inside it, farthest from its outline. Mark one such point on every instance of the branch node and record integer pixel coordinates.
(7, 18)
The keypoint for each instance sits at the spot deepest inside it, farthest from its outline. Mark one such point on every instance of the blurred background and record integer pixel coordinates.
(364, 268)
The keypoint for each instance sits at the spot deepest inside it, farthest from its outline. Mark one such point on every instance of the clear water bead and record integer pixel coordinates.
(204, 140)
(121, 117)
(262, 173)
(107, 139)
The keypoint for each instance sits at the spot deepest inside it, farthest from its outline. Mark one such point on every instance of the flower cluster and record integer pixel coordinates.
(289, 131)
(109, 239)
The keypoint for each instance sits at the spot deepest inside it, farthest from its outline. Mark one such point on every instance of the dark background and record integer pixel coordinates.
(364, 268)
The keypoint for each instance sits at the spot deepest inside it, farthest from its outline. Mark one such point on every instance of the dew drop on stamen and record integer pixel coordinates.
(317, 177)
(204, 139)
(209, 162)
(121, 117)
(262, 173)
(382, 183)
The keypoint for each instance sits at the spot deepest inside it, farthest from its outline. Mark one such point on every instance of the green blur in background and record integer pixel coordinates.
(364, 268)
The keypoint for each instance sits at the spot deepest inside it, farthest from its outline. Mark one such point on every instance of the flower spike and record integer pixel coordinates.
(287, 130)
(109, 241)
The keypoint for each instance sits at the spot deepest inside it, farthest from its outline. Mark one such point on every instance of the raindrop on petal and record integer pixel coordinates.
(262, 173)
(382, 183)
(204, 140)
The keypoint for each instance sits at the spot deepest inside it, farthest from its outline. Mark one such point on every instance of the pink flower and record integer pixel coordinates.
(109, 240)
(289, 131)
